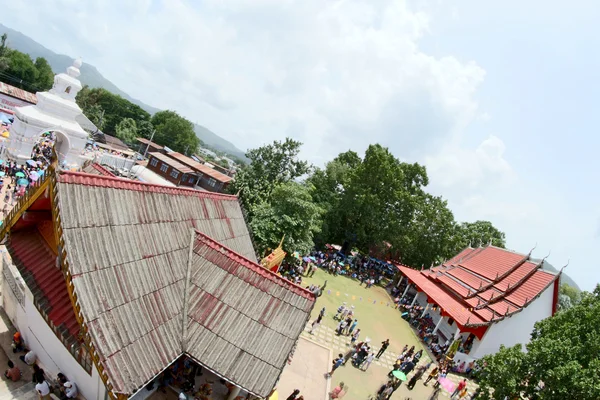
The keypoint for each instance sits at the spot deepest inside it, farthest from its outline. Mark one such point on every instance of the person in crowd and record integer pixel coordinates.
(368, 361)
(341, 327)
(17, 343)
(435, 394)
(29, 358)
(316, 323)
(38, 374)
(13, 373)
(347, 327)
(339, 391)
(70, 390)
(340, 310)
(43, 390)
(336, 364)
(384, 346)
(432, 375)
(294, 395)
(353, 326)
(418, 374)
(461, 385)
(355, 336)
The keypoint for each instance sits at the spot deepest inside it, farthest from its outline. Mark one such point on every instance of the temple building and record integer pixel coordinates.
(486, 297)
(112, 281)
(55, 111)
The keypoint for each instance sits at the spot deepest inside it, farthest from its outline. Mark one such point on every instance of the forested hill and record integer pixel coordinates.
(92, 77)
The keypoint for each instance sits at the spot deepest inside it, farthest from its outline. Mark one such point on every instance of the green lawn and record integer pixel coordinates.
(377, 321)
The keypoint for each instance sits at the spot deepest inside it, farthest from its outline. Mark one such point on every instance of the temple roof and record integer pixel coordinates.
(480, 286)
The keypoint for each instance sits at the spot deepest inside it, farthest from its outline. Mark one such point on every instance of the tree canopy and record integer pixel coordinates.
(175, 132)
(561, 361)
(127, 130)
(376, 203)
(19, 70)
(101, 105)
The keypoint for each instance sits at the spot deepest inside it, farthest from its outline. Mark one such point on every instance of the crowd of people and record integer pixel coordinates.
(63, 387)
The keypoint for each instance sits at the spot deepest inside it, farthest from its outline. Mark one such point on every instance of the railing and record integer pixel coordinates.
(13, 282)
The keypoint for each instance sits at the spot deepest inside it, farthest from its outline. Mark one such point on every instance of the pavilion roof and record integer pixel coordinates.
(482, 285)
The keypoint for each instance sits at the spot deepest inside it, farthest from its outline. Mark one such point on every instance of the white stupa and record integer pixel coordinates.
(55, 111)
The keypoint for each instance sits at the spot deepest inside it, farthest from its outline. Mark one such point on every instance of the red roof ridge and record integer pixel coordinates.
(102, 169)
(83, 178)
(254, 266)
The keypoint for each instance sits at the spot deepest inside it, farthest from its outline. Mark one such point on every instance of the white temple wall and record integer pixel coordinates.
(515, 329)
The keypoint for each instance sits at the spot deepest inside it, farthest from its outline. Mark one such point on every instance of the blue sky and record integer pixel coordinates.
(497, 99)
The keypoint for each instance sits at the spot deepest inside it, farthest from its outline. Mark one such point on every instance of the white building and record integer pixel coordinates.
(55, 111)
(486, 297)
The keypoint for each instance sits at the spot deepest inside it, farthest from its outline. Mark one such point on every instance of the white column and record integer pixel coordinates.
(234, 393)
(400, 281)
(457, 334)
(405, 291)
(425, 310)
(437, 326)
(415, 299)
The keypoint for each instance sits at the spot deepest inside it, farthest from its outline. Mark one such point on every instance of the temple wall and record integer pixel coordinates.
(516, 329)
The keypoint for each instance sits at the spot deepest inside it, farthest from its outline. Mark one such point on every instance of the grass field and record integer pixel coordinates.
(377, 321)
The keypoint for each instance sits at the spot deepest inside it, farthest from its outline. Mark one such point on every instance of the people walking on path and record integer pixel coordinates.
(340, 310)
(432, 375)
(355, 336)
(418, 374)
(368, 361)
(384, 346)
(316, 323)
(461, 385)
(336, 364)
(353, 326)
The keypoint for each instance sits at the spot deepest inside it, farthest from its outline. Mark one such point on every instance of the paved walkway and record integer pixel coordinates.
(341, 344)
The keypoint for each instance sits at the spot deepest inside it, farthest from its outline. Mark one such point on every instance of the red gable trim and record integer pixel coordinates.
(81, 178)
(265, 273)
(102, 170)
(555, 296)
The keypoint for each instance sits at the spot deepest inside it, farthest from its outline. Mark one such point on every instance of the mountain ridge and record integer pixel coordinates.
(92, 77)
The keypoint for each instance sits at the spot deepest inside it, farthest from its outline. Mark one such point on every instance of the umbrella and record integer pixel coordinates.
(312, 258)
(306, 259)
(34, 176)
(41, 172)
(2, 173)
(274, 396)
(1, 161)
(32, 163)
(447, 384)
(400, 375)
(20, 175)
(22, 182)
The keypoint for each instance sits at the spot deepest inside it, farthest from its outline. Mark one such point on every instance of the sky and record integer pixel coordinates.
(497, 99)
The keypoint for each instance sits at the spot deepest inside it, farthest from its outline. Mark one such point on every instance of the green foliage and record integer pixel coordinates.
(145, 129)
(45, 76)
(562, 354)
(569, 296)
(127, 130)
(290, 212)
(270, 166)
(175, 132)
(479, 233)
(116, 108)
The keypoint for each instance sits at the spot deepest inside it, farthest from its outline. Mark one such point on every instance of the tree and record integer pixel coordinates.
(562, 355)
(269, 166)
(3, 52)
(95, 114)
(145, 129)
(21, 71)
(116, 108)
(479, 233)
(127, 130)
(45, 75)
(290, 212)
(568, 297)
(175, 132)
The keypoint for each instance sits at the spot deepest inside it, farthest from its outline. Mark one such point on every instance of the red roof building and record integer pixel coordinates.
(485, 296)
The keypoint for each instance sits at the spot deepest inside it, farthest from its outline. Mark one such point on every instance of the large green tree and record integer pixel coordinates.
(269, 166)
(127, 130)
(44, 76)
(96, 102)
(562, 359)
(290, 212)
(568, 297)
(175, 132)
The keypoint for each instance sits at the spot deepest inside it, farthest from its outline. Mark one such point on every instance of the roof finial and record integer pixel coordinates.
(566, 265)
(508, 286)
(531, 251)
(507, 310)
(544, 259)
(526, 300)
(490, 243)
(470, 243)
(480, 284)
(497, 275)
(468, 319)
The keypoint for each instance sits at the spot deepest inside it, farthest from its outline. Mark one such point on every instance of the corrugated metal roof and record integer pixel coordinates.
(172, 162)
(147, 142)
(243, 319)
(200, 167)
(96, 169)
(127, 245)
(18, 93)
